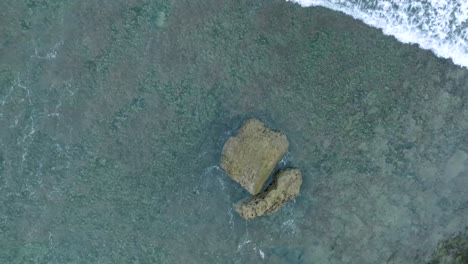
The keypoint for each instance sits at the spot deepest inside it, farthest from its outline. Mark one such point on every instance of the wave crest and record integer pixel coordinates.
(437, 25)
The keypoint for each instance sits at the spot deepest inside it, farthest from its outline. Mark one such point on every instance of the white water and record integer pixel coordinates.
(437, 25)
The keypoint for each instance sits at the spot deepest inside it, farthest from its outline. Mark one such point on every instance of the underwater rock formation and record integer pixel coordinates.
(250, 157)
(284, 188)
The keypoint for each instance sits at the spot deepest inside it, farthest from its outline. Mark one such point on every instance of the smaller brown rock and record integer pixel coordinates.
(284, 188)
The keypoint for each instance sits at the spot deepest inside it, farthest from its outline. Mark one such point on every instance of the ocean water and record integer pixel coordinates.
(437, 25)
(113, 114)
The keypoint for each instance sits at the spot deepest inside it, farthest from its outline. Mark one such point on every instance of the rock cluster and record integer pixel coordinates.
(249, 158)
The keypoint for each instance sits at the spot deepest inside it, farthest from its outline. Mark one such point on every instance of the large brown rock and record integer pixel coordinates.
(250, 157)
(284, 188)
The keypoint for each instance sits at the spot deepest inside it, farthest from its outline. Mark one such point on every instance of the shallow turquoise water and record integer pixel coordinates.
(113, 115)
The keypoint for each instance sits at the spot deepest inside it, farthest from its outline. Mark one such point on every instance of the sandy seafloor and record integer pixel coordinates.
(113, 114)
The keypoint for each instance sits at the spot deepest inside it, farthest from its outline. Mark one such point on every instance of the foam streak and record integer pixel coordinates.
(437, 25)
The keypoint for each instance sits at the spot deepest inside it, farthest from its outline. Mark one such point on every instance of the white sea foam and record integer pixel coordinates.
(437, 25)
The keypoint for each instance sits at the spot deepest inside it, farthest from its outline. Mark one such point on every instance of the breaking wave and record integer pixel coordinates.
(437, 25)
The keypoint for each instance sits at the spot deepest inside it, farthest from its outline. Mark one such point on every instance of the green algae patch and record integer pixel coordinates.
(452, 251)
